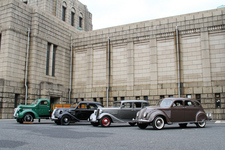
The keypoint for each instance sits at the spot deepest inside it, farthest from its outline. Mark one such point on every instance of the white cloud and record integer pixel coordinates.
(108, 13)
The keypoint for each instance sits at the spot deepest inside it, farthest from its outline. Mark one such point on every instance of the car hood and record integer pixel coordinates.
(26, 106)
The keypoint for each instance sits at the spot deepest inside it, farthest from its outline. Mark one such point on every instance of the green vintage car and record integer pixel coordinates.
(39, 109)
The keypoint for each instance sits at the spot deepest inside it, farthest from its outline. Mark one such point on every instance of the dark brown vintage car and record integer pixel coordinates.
(172, 110)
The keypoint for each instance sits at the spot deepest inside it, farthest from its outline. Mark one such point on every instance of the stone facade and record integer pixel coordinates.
(45, 29)
(145, 59)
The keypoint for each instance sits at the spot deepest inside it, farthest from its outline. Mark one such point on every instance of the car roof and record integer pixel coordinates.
(131, 101)
(178, 98)
(89, 102)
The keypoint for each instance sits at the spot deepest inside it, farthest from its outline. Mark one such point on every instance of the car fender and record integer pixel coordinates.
(201, 116)
(114, 119)
(67, 113)
(158, 113)
(21, 114)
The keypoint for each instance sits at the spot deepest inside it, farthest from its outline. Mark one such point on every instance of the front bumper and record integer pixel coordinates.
(141, 121)
(93, 118)
(53, 117)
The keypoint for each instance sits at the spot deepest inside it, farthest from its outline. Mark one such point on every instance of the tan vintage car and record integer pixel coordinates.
(172, 110)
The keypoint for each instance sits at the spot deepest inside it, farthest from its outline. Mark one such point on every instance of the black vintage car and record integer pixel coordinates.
(77, 112)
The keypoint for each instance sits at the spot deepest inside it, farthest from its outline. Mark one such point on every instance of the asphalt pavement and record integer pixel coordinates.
(83, 136)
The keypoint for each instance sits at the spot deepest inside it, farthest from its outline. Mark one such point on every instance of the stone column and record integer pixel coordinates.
(130, 66)
(206, 75)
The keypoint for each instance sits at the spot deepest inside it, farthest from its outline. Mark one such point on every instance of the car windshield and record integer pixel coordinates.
(35, 102)
(116, 104)
(165, 103)
(99, 106)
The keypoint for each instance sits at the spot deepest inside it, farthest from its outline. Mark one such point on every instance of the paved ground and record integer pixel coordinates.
(47, 135)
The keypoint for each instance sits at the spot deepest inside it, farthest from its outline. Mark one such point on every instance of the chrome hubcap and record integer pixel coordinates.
(65, 119)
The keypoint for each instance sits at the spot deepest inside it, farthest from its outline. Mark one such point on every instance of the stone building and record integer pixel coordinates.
(67, 62)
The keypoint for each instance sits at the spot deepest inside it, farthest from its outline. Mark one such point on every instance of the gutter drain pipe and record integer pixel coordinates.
(71, 69)
(178, 60)
(27, 59)
(108, 72)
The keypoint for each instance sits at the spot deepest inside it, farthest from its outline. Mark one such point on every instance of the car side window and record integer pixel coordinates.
(137, 105)
(92, 106)
(43, 103)
(178, 103)
(145, 104)
(196, 103)
(127, 105)
(82, 106)
(189, 103)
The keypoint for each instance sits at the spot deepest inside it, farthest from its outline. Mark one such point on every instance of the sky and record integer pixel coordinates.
(109, 13)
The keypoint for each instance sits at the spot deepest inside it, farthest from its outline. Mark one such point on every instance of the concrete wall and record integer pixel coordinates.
(144, 62)
(15, 20)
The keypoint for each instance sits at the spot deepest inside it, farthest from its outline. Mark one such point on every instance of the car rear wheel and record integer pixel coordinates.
(142, 126)
(105, 121)
(158, 123)
(65, 120)
(201, 124)
(28, 117)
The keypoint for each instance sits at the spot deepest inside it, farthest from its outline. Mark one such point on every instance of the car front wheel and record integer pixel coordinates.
(65, 120)
(201, 124)
(158, 123)
(28, 118)
(105, 121)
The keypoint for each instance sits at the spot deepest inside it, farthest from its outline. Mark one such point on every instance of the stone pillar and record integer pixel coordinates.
(130, 66)
(153, 63)
(89, 69)
(205, 57)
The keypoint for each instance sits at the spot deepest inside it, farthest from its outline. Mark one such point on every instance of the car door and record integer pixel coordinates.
(125, 112)
(82, 112)
(137, 106)
(177, 111)
(190, 110)
(43, 108)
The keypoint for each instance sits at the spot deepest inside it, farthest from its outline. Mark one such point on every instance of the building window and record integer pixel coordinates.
(218, 100)
(16, 100)
(115, 99)
(25, 1)
(188, 95)
(72, 17)
(81, 21)
(101, 100)
(64, 5)
(50, 61)
(162, 96)
(82, 99)
(137, 97)
(0, 42)
(122, 98)
(63, 13)
(170, 95)
(94, 99)
(198, 97)
(146, 98)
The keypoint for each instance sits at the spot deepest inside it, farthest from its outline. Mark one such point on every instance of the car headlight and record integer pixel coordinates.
(137, 113)
(145, 114)
(59, 111)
